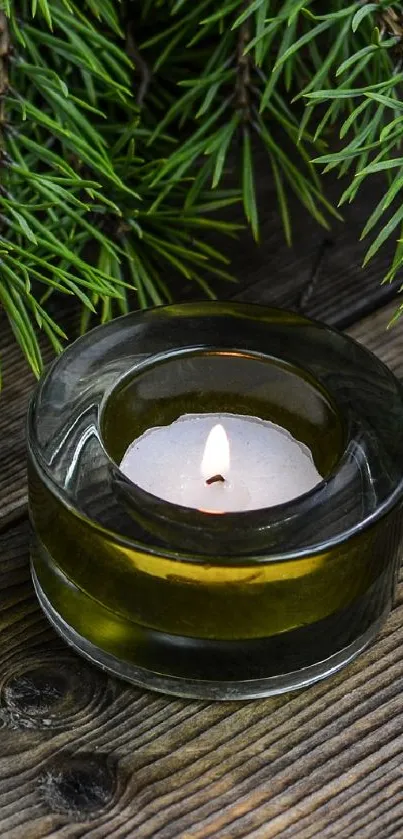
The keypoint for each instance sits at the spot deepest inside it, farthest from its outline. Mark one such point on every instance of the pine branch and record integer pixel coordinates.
(139, 64)
(77, 194)
(374, 141)
(123, 127)
(243, 78)
(5, 48)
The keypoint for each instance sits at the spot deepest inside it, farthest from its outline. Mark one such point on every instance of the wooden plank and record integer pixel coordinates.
(321, 274)
(85, 756)
(18, 386)
(386, 343)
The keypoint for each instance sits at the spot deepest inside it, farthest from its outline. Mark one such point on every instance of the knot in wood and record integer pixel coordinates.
(35, 691)
(48, 694)
(78, 785)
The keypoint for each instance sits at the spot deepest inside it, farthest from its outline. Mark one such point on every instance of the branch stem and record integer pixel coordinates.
(140, 65)
(4, 60)
(244, 69)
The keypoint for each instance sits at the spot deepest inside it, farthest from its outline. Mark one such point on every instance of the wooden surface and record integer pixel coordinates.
(82, 755)
(321, 275)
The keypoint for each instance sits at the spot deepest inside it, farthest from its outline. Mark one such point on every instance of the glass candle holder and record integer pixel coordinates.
(233, 605)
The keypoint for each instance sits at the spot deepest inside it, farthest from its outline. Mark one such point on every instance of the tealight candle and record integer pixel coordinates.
(221, 463)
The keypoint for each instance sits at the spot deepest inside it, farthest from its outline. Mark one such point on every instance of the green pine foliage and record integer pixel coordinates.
(120, 123)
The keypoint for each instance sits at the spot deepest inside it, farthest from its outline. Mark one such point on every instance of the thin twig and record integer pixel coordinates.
(391, 22)
(314, 277)
(4, 59)
(244, 69)
(140, 65)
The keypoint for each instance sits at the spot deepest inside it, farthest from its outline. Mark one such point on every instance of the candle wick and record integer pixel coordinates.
(215, 479)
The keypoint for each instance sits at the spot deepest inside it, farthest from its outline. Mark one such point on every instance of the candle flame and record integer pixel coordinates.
(216, 457)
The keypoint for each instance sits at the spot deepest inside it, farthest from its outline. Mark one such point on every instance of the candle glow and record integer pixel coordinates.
(216, 456)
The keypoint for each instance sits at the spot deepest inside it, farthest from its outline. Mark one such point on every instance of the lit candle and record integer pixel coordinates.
(221, 463)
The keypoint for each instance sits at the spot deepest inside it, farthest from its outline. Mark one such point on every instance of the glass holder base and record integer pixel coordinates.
(204, 689)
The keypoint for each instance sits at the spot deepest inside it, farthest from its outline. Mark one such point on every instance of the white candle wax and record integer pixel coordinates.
(255, 463)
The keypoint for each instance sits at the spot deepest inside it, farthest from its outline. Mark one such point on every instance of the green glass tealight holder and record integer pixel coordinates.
(183, 600)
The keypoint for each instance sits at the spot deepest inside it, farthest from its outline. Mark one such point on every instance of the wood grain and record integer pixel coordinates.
(382, 339)
(85, 756)
(321, 274)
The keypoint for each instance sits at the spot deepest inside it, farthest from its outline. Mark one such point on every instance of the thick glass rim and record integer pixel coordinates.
(235, 560)
(161, 358)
